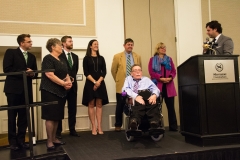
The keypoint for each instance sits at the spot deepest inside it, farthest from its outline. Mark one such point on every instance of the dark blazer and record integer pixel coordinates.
(72, 71)
(224, 46)
(14, 61)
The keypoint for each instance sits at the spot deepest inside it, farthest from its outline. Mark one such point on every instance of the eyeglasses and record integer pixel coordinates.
(27, 41)
(162, 48)
(137, 70)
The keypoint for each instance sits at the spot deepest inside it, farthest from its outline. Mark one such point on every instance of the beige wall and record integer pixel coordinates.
(42, 17)
(148, 23)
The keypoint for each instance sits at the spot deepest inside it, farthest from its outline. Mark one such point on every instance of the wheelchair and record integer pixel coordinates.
(144, 127)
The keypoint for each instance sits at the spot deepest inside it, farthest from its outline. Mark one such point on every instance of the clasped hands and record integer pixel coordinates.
(68, 82)
(151, 99)
(29, 72)
(165, 80)
(96, 85)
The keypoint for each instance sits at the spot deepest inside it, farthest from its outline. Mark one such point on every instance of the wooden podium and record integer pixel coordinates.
(209, 99)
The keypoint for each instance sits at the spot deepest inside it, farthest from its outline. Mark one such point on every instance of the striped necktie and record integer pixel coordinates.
(128, 65)
(25, 56)
(135, 86)
(69, 60)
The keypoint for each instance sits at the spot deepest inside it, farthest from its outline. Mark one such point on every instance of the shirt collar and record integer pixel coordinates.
(66, 52)
(137, 79)
(217, 37)
(22, 50)
(127, 53)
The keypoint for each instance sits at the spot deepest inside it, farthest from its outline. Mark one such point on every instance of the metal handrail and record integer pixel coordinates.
(27, 105)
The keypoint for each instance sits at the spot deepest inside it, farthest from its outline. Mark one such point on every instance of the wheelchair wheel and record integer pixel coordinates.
(157, 137)
(129, 138)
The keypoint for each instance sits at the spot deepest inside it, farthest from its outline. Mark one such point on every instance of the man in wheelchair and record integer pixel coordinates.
(144, 94)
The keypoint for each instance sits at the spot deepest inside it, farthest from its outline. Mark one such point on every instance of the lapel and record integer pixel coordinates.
(74, 59)
(19, 52)
(123, 59)
(134, 58)
(63, 55)
(219, 42)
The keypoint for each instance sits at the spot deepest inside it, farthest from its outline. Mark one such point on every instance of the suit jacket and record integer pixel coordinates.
(224, 46)
(14, 61)
(119, 68)
(74, 70)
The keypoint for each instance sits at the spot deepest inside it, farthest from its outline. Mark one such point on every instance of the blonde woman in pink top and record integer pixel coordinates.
(162, 72)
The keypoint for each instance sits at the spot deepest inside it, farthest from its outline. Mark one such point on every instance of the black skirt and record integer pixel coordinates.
(53, 112)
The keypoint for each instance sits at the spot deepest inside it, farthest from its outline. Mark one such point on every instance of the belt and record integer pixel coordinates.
(144, 90)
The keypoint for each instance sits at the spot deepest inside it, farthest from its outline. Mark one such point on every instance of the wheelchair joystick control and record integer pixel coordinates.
(124, 94)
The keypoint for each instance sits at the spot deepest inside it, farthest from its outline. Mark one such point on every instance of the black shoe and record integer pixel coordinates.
(133, 125)
(14, 147)
(173, 130)
(59, 143)
(50, 148)
(24, 145)
(154, 125)
(58, 136)
(75, 134)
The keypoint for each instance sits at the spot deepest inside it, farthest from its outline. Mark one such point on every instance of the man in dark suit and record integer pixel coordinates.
(72, 61)
(221, 45)
(17, 60)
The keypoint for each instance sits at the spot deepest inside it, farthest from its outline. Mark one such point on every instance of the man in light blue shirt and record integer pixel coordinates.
(144, 94)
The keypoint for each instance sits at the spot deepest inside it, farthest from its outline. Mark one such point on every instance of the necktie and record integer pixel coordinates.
(128, 65)
(25, 56)
(135, 87)
(213, 46)
(69, 60)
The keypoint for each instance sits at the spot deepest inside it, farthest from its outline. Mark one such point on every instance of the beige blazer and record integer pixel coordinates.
(119, 68)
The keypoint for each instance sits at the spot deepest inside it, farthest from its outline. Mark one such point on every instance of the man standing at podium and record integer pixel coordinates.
(220, 44)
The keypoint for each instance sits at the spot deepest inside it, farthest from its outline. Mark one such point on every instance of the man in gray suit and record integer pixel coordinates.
(223, 45)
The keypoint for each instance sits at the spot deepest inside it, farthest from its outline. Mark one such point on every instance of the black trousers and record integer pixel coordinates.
(152, 112)
(72, 111)
(15, 137)
(172, 120)
(119, 110)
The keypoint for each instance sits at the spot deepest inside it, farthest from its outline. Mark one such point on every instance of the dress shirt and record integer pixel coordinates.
(144, 83)
(217, 37)
(66, 54)
(22, 50)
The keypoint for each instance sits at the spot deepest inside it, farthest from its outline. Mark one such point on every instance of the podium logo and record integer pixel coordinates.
(219, 67)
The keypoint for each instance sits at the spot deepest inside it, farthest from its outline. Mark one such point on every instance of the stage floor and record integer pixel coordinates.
(113, 145)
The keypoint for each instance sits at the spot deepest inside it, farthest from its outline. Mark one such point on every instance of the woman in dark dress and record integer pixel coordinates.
(94, 93)
(53, 88)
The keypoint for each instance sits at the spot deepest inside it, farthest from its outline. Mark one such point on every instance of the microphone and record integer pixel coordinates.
(207, 41)
(206, 44)
(209, 45)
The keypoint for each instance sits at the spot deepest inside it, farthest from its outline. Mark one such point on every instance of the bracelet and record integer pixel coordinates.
(94, 82)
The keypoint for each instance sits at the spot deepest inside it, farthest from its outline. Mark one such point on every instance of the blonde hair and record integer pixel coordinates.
(159, 45)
